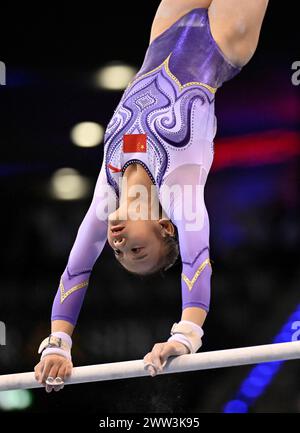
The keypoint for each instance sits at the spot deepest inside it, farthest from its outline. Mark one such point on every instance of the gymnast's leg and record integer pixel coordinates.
(236, 25)
(170, 11)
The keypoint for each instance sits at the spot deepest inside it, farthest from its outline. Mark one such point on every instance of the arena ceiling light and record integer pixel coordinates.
(87, 134)
(15, 400)
(68, 184)
(115, 76)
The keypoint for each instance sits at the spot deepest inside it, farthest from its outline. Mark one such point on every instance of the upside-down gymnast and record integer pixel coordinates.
(159, 139)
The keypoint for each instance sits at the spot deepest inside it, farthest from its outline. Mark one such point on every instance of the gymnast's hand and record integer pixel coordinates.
(53, 369)
(156, 359)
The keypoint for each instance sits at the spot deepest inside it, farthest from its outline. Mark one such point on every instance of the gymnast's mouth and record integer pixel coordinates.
(117, 230)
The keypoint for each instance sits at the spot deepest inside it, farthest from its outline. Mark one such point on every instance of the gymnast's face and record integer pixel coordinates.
(138, 245)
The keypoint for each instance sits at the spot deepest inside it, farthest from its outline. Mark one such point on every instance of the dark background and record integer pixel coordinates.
(51, 53)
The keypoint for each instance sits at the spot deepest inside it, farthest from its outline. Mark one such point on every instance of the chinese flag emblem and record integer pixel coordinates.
(134, 143)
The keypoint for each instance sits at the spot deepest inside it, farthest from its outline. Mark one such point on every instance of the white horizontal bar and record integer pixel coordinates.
(179, 364)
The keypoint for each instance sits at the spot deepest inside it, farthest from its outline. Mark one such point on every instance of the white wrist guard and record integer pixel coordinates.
(187, 333)
(58, 343)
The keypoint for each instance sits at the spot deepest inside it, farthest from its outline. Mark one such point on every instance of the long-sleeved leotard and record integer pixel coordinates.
(165, 121)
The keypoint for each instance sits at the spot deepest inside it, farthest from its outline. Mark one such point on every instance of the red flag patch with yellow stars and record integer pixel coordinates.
(134, 143)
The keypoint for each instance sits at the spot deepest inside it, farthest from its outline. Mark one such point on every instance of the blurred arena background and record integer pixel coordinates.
(65, 72)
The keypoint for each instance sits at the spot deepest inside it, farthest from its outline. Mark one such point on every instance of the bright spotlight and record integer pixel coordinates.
(115, 77)
(68, 184)
(15, 400)
(87, 134)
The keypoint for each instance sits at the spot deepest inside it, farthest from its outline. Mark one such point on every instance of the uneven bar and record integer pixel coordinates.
(179, 364)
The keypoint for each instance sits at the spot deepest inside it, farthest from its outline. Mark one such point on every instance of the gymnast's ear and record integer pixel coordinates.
(167, 227)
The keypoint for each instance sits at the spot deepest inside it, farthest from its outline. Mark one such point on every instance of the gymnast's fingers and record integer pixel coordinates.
(47, 365)
(149, 364)
(69, 367)
(38, 370)
(58, 382)
(50, 381)
(156, 356)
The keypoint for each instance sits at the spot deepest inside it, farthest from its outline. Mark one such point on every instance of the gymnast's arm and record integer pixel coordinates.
(88, 245)
(186, 209)
(182, 198)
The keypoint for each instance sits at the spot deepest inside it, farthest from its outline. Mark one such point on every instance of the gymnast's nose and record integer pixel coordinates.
(119, 242)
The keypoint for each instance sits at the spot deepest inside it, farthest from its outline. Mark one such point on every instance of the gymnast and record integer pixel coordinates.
(148, 201)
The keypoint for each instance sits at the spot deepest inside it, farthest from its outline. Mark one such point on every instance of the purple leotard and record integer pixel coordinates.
(170, 101)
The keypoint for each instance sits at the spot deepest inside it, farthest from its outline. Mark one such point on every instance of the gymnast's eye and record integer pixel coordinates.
(117, 252)
(136, 250)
